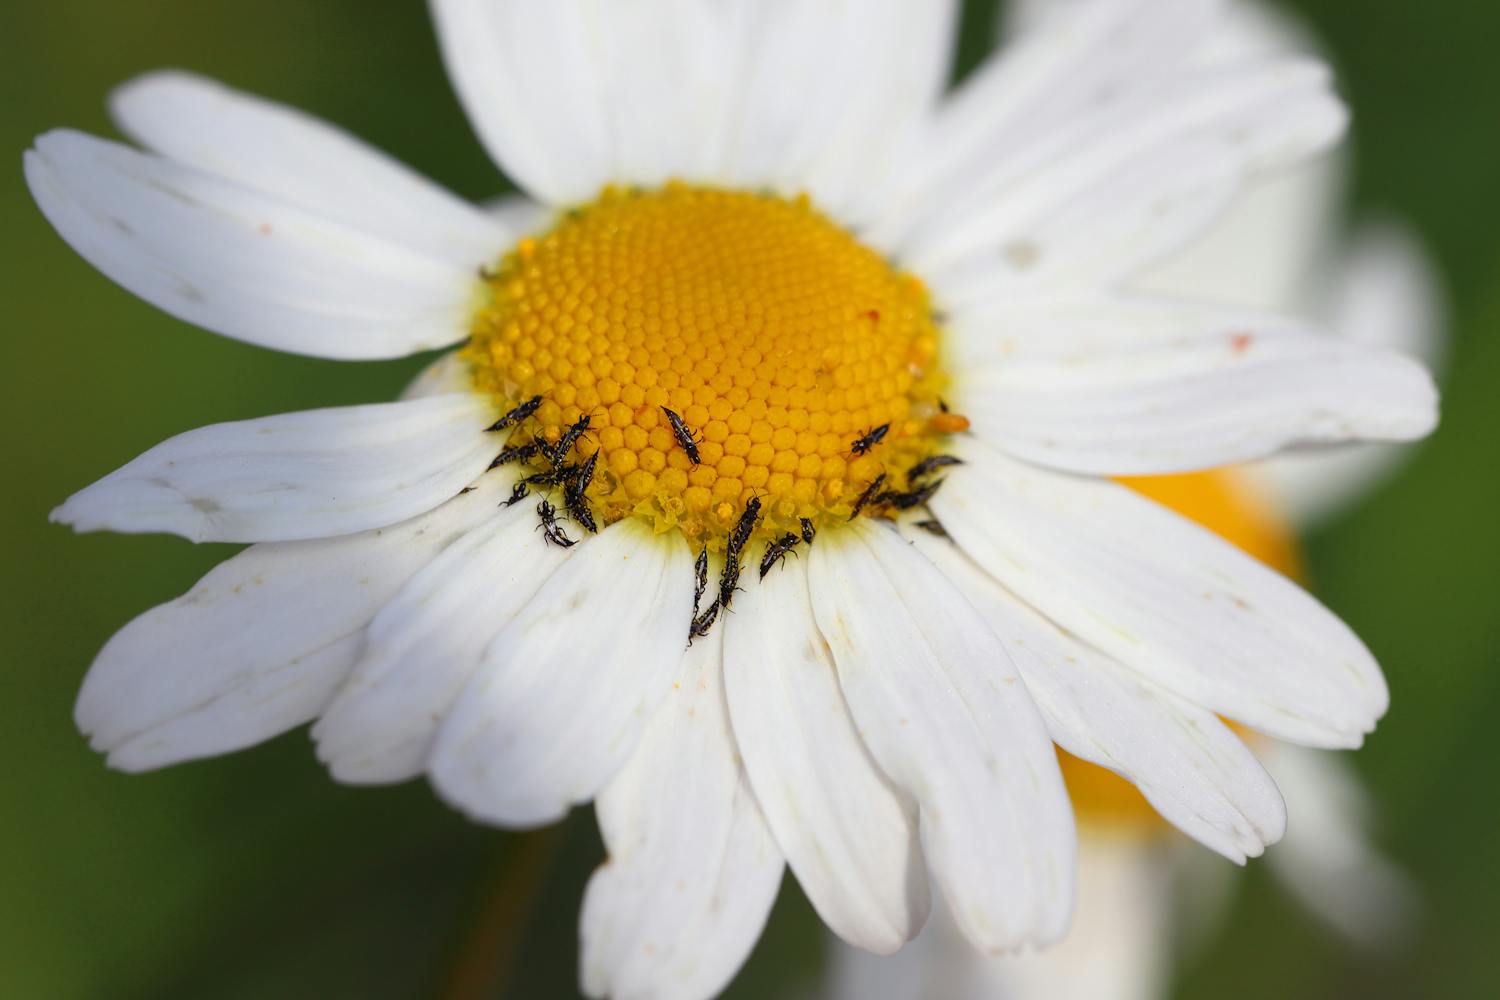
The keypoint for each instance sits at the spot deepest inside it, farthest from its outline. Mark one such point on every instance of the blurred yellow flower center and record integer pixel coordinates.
(778, 342)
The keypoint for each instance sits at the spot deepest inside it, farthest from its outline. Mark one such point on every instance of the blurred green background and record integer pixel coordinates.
(255, 876)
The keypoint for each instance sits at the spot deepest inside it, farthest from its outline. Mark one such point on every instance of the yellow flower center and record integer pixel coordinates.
(1226, 502)
(722, 346)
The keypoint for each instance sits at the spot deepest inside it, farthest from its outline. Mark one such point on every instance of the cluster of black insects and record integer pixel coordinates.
(574, 479)
(729, 577)
(917, 491)
(920, 488)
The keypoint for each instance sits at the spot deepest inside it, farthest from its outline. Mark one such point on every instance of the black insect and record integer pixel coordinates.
(466, 489)
(558, 453)
(702, 623)
(559, 475)
(517, 415)
(585, 473)
(517, 494)
(515, 453)
(700, 573)
(776, 551)
(932, 527)
(574, 497)
(578, 510)
(943, 405)
(550, 528)
(870, 440)
(910, 498)
(744, 527)
(869, 494)
(808, 531)
(684, 436)
(729, 579)
(930, 465)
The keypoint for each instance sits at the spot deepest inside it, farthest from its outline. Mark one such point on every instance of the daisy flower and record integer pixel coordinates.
(763, 501)
(1146, 898)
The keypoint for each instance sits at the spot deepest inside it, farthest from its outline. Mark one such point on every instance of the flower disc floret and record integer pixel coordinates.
(775, 337)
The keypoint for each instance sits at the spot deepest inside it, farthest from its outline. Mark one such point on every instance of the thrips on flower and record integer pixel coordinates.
(866, 441)
(575, 493)
(684, 435)
(550, 528)
(520, 412)
(867, 496)
(777, 551)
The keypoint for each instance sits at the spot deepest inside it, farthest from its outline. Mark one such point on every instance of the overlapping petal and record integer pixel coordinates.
(564, 689)
(533, 92)
(692, 869)
(1165, 597)
(1120, 188)
(1187, 763)
(849, 835)
(1089, 60)
(1133, 160)
(261, 643)
(945, 715)
(288, 154)
(425, 644)
(250, 265)
(806, 94)
(1135, 387)
(825, 97)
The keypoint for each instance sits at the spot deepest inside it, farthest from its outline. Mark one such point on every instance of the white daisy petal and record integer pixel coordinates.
(1173, 394)
(810, 94)
(692, 870)
(1165, 597)
(425, 644)
(526, 75)
(563, 691)
(242, 263)
(945, 715)
(1089, 59)
(290, 155)
(786, 69)
(834, 92)
(1145, 211)
(848, 834)
(1266, 248)
(296, 475)
(664, 113)
(1242, 28)
(1118, 189)
(260, 644)
(1187, 763)
(1386, 294)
